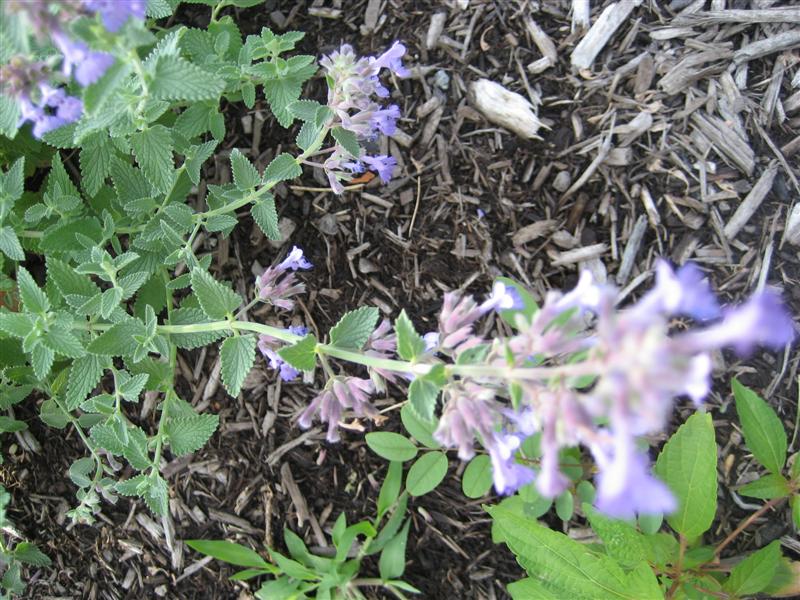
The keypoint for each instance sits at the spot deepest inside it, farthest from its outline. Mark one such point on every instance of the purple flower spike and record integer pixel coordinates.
(391, 59)
(115, 13)
(86, 65)
(385, 120)
(344, 393)
(269, 345)
(508, 475)
(682, 292)
(383, 165)
(295, 260)
(53, 110)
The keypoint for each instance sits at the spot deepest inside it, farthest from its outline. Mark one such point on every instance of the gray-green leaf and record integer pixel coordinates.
(237, 355)
(187, 434)
(354, 328)
(216, 299)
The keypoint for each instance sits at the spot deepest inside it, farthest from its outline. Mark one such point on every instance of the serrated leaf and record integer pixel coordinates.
(33, 298)
(105, 436)
(767, 487)
(67, 280)
(95, 161)
(220, 223)
(426, 473)
(620, 539)
(477, 478)
(301, 355)
(354, 328)
(424, 391)
(347, 139)
(391, 446)
(133, 486)
(30, 554)
(9, 116)
(755, 572)
(187, 434)
(245, 175)
(191, 316)
(135, 451)
(237, 355)
(16, 324)
(79, 471)
(153, 151)
(688, 465)
(280, 94)
(763, 431)
(266, 217)
(9, 244)
(410, 345)
(178, 79)
(156, 495)
(62, 342)
(119, 339)
(284, 166)
(305, 110)
(216, 299)
(51, 414)
(42, 360)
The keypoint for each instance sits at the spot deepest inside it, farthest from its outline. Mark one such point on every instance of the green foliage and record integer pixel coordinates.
(301, 355)
(354, 328)
(410, 344)
(237, 355)
(391, 446)
(763, 430)
(477, 478)
(426, 473)
(14, 555)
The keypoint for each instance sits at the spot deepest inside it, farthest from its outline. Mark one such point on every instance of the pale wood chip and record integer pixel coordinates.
(751, 202)
(614, 15)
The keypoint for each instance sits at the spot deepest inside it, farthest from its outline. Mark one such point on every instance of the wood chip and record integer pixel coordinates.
(533, 231)
(505, 108)
(577, 255)
(751, 202)
(725, 141)
(597, 37)
(435, 30)
(774, 43)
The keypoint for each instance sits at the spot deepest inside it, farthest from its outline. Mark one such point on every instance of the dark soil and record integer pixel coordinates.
(447, 222)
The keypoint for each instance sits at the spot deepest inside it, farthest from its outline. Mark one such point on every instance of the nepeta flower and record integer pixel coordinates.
(392, 60)
(114, 13)
(278, 283)
(503, 297)
(269, 346)
(382, 343)
(342, 393)
(86, 65)
(383, 165)
(53, 109)
(456, 320)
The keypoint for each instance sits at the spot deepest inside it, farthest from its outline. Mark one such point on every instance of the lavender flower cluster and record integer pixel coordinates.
(638, 365)
(353, 85)
(41, 103)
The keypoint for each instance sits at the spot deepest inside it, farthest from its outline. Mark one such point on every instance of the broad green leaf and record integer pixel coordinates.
(281, 93)
(9, 116)
(266, 217)
(9, 244)
(187, 434)
(104, 90)
(348, 141)
(763, 430)
(305, 110)
(688, 464)
(354, 328)
(63, 342)
(392, 562)
(105, 436)
(30, 554)
(216, 299)
(620, 539)
(9, 425)
(565, 505)
(52, 414)
(390, 488)
(301, 355)
(755, 572)
(16, 324)
(79, 471)
(119, 340)
(95, 162)
(284, 166)
(477, 478)
(237, 355)
(424, 391)
(133, 486)
(231, 553)
(245, 175)
(564, 567)
(67, 280)
(153, 150)
(156, 495)
(420, 430)
(32, 297)
(767, 487)
(391, 446)
(795, 502)
(178, 79)
(410, 344)
(528, 589)
(135, 451)
(426, 473)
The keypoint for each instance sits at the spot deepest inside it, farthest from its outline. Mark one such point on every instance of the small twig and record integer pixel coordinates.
(745, 524)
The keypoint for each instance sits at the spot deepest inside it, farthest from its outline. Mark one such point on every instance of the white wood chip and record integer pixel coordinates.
(607, 23)
(505, 108)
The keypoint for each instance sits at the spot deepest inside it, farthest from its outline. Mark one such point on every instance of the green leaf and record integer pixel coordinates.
(119, 340)
(266, 217)
(422, 395)
(688, 464)
(392, 562)
(67, 280)
(135, 451)
(354, 328)
(9, 425)
(105, 436)
(477, 478)
(767, 487)
(156, 495)
(237, 355)
(51, 414)
(9, 244)
(42, 360)
(390, 488)
(153, 151)
(348, 141)
(95, 162)
(134, 486)
(16, 324)
(63, 342)
(620, 539)
(178, 79)
(527, 589)
(795, 502)
(755, 572)
(191, 316)
(763, 430)
(245, 175)
(284, 166)
(231, 553)
(391, 446)
(32, 297)
(79, 471)
(420, 430)
(426, 473)
(410, 345)
(30, 554)
(281, 93)
(98, 95)
(301, 355)
(564, 567)
(221, 223)
(216, 300)
(9, 116)
(187, 434)
(305, 110)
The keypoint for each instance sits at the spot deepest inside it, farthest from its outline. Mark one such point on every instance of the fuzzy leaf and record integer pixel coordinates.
(245, 175)
(187, 434)
(118, 340)
(237, 355)
(32, 297)
(9, 244)
(284, 166)
(688, 464)
(410, 344)
(301, 355)
(763, 430)
(178, 79)
(354, 328)
(153, 150)
(216, 299)
(266, 217)
(191, 316)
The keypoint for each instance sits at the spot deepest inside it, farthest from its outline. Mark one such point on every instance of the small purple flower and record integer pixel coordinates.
(682, 292)
(269, 346)
(503, 297)
(456, 319)
(385, 120)
(507, 474)
(295, 260)
(54, 109)
(341, 394)
(431, 340)
(392, 60)
(115, 13)
(86, 65)
(383, 165)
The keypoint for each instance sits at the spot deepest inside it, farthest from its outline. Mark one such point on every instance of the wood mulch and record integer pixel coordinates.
(668, 129)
